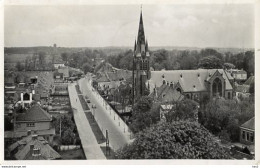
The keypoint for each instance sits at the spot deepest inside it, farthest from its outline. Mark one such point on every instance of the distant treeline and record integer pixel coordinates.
(189, 59)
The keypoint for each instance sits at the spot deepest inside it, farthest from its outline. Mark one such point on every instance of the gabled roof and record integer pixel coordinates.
(250, 124)
(188, 78)
(46, 151)
(35, 113)
(166, 93)
(250, 80)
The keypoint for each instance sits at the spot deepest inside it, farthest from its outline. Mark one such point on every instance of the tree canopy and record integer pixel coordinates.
(226, 116)
(175, 140)
(210, 62)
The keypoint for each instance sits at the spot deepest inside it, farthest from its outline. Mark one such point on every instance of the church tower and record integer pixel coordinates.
(141, 64)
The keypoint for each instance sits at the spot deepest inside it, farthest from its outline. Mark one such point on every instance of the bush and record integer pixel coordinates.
(175, 140)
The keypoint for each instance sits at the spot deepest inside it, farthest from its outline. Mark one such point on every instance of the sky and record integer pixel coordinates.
(186, 25)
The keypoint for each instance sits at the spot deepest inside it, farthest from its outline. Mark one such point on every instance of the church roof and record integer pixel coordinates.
(190, 80)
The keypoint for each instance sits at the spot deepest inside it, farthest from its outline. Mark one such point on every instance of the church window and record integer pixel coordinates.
(217, 87)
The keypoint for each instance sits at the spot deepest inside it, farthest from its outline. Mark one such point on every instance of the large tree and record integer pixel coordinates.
(210, 62)
(141, 117)
(175, 140)
(222, 115)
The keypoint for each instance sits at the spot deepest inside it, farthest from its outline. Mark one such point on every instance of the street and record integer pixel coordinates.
(89, 143)
(117, 131)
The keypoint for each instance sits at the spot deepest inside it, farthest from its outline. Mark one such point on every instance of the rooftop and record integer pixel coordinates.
(190, 80)
(26, 153)
(35, 113)
(250, 124)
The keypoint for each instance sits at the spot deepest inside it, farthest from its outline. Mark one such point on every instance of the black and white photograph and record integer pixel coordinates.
(139, 81)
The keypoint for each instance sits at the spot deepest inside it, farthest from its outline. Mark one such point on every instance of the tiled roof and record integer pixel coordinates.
(35, 113)
(166, 93)
(242, 88)
(250, 124)
(187, 78)
(46, 151)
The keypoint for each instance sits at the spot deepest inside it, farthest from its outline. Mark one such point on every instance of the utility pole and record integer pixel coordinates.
(60, 125)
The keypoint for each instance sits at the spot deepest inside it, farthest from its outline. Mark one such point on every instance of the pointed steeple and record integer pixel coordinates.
(141, 36)
(146, 45)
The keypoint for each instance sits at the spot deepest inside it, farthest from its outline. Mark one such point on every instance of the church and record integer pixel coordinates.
(196, 84)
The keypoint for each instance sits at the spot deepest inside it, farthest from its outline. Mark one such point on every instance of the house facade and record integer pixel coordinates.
(247, 132)
(36, 120)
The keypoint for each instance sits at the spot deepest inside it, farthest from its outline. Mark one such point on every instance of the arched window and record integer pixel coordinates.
(217, 87)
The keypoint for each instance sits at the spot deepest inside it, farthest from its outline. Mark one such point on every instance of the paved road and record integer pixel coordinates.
(89, 143)
(118, 136)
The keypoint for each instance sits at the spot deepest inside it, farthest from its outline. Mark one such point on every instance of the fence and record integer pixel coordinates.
(69, 147)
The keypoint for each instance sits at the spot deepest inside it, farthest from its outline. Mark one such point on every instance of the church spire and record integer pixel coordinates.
(141, 36)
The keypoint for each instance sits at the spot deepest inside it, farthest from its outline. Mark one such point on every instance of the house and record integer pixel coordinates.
(238, 75)
(65, 72)
(37, 120)
(166, 93)
(195, 84)
(58, 63)
(32, 147)
(247, 132)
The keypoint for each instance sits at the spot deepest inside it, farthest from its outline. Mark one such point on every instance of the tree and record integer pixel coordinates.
(211, 52)
(174, 140)
(42, 59)
(19, 66)
(87, 68)
(223, 115)
(65, 57)
(210, 62)
(229, 65)
(68, 137)
(141, 117)
(186, 109)
(67, 127)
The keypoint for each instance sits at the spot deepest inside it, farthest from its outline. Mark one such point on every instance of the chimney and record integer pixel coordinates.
(164, 82)
(30, 97)
(171, 84)
(21, 96)
(31, 147)
(29, 132)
